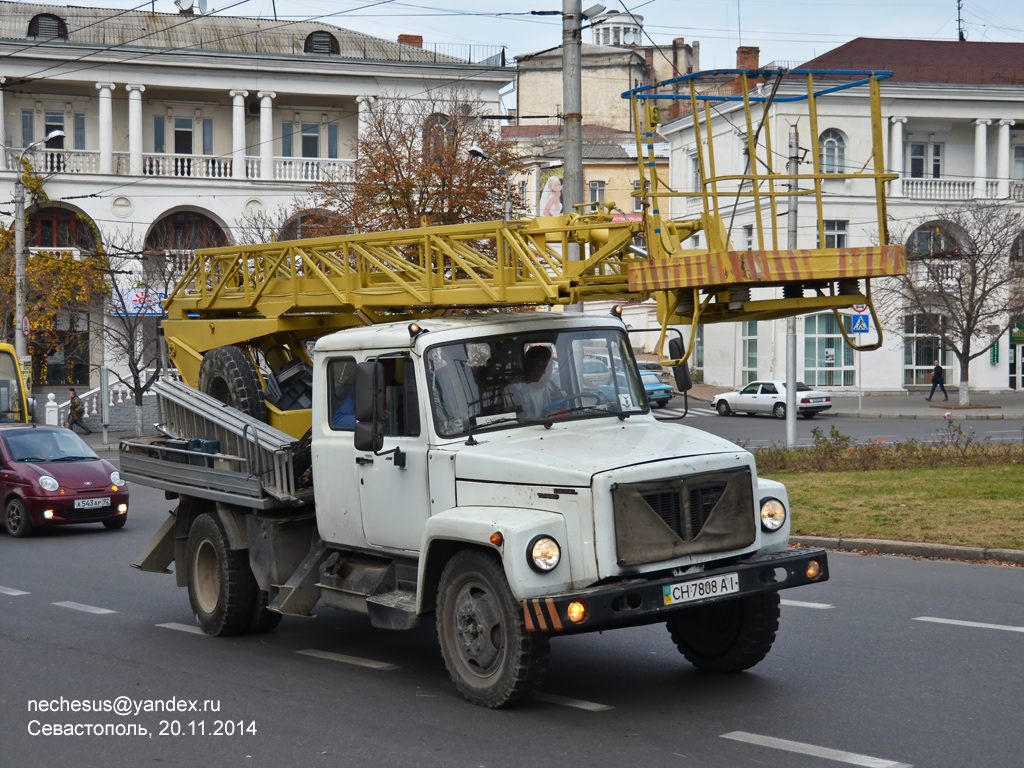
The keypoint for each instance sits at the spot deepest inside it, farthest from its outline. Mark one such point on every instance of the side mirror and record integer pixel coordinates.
(676, 349)
(369, 405)
(30, 403)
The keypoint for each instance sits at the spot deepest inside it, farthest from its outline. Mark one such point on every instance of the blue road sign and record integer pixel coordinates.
(860, 323)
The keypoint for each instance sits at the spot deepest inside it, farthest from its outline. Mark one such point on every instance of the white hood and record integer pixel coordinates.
(570, 456)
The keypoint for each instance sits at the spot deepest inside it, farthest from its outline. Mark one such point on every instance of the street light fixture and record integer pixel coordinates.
(20, 337)
(479, 153)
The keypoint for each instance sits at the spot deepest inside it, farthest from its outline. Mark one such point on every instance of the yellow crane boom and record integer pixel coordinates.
(273, 297)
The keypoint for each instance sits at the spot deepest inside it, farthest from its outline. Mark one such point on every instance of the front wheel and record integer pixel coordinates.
(221, 587)
(116, 524)
(729, 636)
(490, 656)
(723, 408)
(779, 410)
(17, 522)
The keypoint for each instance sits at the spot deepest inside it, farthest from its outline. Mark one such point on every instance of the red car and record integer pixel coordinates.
(50, 476)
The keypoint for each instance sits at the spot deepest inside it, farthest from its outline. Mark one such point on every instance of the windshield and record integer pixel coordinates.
(47, 445)
(532, 378)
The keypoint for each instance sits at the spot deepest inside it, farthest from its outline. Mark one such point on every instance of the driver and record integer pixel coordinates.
(537, 391)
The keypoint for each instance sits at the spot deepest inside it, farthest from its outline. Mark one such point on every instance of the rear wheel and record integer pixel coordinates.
(810, 414)
(221, 587)
(727, 636)
(490, 656)
(17, 522)
(723, 408)
(228, 375)
(779, 410)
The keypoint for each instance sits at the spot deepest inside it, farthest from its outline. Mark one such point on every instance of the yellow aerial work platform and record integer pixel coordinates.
(271, 298)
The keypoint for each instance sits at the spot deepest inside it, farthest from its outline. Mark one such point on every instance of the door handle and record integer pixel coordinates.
(363, 460)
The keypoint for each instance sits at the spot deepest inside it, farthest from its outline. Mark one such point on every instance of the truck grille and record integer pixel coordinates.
(662, 519)
(668, 506)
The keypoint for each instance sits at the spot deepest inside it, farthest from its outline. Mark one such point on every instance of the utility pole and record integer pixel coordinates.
(572, 100)
(792, 169)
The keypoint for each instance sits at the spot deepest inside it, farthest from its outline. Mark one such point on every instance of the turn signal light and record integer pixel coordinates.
(577, 611)
(497, 538)
(813, 569)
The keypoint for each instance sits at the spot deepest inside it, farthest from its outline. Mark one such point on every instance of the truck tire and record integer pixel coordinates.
(490, 656)
(729, 636)
(262, 620)
(228, 375)
(221, 587)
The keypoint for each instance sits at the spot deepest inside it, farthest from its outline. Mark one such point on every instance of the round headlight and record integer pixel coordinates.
(543, 554)
(115, 478)
(773, 514)
(48, 483)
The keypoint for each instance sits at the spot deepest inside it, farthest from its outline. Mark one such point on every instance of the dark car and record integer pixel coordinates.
(50, 476)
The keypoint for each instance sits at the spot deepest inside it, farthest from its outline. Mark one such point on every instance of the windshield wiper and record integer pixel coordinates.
(72, 458)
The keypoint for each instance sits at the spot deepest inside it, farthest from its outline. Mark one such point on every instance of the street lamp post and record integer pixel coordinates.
(479, 153)
(20, 338)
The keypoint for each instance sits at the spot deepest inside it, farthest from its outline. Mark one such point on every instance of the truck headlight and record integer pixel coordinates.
(543, 554)
(773, 514)
(48, 483)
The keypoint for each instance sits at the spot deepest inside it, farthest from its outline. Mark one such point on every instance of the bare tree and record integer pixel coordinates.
(965, 279)
(413, 168)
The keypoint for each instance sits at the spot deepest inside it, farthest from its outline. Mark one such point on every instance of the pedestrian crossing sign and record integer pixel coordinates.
(860, 324)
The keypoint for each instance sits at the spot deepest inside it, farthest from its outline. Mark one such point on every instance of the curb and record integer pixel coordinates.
(912, 548)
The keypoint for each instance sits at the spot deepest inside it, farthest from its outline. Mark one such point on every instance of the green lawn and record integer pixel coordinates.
(981, 506)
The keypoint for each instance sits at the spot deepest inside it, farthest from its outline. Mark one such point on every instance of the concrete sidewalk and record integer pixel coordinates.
(913, 405)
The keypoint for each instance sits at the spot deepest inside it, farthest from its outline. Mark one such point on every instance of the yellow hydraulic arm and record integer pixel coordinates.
(271, 298)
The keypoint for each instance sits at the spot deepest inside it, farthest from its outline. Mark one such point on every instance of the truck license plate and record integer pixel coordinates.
(712, 586)
(92, 503)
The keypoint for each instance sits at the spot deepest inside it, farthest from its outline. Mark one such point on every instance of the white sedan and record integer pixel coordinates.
(770, 397)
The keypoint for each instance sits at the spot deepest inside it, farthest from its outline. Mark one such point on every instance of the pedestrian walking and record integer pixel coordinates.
(76, 410)
(938, 380)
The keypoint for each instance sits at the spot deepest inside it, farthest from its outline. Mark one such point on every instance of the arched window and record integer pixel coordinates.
(323, 43)
(46, 26)
(309, 223)
(832, 151)
(53, 228)
(935, 238)
(180, 233)
(438, 133)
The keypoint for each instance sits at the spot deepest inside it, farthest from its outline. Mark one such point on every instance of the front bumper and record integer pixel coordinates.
(63, 512)
(642, 601)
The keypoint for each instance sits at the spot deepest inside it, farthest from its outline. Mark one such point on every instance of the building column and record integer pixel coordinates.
(897, 162)
(106, 125)
(266, 134)
(981, 157)
(363, 103)
(3, 129)
(238, 134)
(135, 128)
(1002, 159)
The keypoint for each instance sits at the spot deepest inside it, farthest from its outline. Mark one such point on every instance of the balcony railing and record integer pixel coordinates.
(938, 189)
(186, 166)
(1017, 191)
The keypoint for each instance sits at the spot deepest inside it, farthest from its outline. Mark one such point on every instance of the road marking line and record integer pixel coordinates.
(851, 758)
(590, 706)
(84, 607)
(182, 627)
(11, 592)
(978, 624)
(802, 604)
(370, 663)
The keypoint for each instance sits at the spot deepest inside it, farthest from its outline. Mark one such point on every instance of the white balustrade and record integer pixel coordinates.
(186, 166)
(938, 189)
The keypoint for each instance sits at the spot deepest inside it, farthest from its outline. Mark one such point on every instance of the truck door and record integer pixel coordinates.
(395, 499)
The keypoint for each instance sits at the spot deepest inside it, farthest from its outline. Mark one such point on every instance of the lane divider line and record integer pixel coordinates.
(561, 701)
(354, 660)
(12, 592)
(975, 624)
(83, 607)
(850, 758)
(192, 628)
(803, 604)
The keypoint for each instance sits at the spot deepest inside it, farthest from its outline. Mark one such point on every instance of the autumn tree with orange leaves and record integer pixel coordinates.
(413, 168)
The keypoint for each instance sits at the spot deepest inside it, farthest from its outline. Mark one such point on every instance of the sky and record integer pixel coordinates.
(784, 30)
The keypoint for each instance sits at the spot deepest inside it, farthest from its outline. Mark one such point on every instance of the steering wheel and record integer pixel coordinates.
(562, 405)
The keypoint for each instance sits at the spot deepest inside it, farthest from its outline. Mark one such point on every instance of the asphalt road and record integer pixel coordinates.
(754, 431)
(867, 670)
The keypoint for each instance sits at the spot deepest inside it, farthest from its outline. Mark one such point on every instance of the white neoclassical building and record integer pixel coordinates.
(953, 116)
(177, 126)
